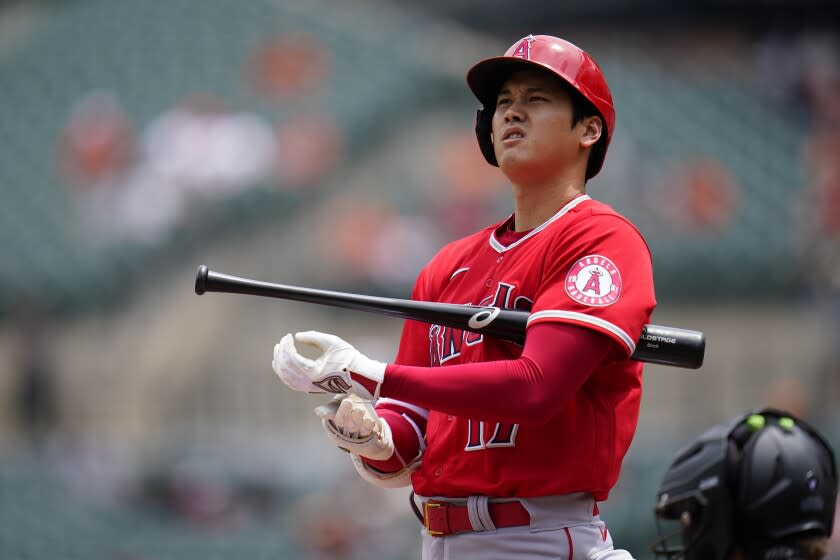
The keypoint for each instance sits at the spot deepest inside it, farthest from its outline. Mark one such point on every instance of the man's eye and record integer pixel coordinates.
(503, 101)
(538, 98)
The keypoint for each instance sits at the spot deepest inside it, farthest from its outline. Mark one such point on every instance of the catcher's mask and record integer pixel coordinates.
(758, 479)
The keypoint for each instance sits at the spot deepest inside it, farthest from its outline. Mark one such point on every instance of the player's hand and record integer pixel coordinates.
(353, 425)
(329, 372)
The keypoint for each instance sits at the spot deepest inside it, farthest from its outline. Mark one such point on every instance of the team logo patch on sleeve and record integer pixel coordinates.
(595, 281)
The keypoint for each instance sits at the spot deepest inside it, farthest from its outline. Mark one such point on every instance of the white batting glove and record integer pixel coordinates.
(353, 425)
(330, 372)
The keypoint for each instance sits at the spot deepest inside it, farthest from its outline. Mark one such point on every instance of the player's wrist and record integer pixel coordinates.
(366, 376)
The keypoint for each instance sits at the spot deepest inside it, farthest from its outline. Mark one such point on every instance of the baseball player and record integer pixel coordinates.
(762, 486)
(509, 449)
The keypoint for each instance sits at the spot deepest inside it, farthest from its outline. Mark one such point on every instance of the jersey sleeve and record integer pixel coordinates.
(599, 277)
(408, 430)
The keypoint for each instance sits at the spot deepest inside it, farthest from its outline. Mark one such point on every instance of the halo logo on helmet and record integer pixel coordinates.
(562, 59)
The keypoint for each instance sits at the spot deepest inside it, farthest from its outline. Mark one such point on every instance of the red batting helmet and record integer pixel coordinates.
(561, 58)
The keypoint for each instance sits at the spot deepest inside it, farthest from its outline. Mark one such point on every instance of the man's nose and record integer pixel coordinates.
(514, 112)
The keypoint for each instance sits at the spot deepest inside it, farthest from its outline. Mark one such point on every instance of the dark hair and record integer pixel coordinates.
(581, 109)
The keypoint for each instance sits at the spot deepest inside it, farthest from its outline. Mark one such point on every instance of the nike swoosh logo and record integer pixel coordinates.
(333, 384)
(483, 317)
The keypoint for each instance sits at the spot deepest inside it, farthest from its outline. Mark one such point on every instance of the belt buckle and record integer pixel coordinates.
(426, 507)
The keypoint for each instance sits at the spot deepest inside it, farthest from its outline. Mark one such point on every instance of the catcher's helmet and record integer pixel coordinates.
(761, 478)
(561, 58)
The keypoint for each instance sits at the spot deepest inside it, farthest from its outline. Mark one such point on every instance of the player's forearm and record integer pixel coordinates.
(501, 391)
(407, 440)
(556, 361)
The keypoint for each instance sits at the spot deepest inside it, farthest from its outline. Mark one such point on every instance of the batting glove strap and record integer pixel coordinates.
(365, 386)
(397, 479)
(377, 445)
(365, 376)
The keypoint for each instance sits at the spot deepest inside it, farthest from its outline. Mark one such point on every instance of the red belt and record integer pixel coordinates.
(446, 518)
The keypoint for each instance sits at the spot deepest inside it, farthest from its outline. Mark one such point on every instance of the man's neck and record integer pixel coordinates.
(535, 204)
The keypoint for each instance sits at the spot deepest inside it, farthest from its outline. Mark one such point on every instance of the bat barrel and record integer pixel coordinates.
(671, 346)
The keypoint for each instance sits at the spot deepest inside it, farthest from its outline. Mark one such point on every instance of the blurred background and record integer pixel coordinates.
(330, 144)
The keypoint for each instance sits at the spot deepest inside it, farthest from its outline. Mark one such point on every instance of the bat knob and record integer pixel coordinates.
(201, 280)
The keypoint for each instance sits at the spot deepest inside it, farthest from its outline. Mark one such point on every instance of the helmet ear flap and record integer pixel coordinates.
(484, 134)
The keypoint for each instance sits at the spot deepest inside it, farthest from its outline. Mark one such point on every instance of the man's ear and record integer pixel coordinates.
(592, 129)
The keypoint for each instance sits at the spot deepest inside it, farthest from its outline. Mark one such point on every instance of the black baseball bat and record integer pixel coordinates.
(668, 346)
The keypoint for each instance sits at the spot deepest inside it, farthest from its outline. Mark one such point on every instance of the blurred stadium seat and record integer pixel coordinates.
(150, 57)
(153, 56)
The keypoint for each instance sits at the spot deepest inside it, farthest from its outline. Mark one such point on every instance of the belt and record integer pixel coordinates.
(446, 518)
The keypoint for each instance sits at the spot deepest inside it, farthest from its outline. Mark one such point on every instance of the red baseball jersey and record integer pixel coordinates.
(588, 266)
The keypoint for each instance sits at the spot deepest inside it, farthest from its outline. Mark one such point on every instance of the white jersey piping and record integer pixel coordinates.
(498, 247)
(422, 412)
(584, 318)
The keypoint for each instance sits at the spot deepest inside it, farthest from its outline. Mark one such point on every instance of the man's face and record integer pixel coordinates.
(532, 125)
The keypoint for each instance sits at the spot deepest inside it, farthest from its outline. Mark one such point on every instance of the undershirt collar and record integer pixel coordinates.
(500, 240)
(505, 233)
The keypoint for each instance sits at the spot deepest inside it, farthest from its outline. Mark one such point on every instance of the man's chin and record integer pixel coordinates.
(514, 163)
(512, 159)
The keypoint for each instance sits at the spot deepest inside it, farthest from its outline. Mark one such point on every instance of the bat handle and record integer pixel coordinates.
(201, 279)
